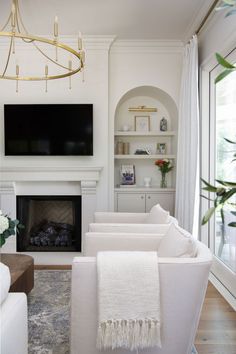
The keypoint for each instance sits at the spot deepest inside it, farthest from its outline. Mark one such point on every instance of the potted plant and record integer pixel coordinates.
(8, 227)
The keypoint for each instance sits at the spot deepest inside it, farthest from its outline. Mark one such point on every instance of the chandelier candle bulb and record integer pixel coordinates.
(13, 15)
(80, 41)
(17, 70)
(56, 27)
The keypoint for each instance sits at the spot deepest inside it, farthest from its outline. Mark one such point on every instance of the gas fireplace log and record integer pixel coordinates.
(51, 234)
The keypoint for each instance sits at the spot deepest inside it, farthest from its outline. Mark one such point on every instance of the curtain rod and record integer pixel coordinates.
(211, 9)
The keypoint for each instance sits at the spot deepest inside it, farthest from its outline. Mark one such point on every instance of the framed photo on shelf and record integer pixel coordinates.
(161, 148)
(127, 175)
(142, 123)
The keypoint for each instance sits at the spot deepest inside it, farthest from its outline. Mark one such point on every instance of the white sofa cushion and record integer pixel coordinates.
(177, 243)
(129, 228)
(5, 281)
(101, 241)
(158, 215)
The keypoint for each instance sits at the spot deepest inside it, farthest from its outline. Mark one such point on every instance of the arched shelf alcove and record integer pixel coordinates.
(149, 96)
(126, 131)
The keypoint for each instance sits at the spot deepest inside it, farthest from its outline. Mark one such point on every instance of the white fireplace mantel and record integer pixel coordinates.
(50, 173)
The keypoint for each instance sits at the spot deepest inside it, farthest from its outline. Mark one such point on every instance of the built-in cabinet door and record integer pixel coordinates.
(131, 202)
(143, 202)
(166, 200)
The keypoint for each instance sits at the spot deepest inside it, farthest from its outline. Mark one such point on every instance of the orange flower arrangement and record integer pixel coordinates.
(164, 165)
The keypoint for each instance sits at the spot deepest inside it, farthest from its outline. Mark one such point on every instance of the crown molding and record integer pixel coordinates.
(98, 41)
(147, 46)
(91, 42)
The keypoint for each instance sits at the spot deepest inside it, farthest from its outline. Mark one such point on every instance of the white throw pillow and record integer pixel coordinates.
(177, 243)
(158, 215)
(5, 281)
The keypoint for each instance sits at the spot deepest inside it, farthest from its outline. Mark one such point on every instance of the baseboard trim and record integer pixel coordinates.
(53, 267)
(223, 291)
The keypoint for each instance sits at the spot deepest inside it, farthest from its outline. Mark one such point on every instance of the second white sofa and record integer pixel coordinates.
(183, 283)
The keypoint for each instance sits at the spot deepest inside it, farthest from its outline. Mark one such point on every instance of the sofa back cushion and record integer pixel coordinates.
(158, 215)
(177, 243)
(5, 282)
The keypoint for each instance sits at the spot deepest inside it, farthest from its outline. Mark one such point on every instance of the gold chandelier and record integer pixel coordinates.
(15, 30)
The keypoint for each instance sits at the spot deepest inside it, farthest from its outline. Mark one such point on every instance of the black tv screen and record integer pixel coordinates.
(48, 129)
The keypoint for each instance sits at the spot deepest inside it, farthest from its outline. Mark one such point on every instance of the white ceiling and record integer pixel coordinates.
(127, 19)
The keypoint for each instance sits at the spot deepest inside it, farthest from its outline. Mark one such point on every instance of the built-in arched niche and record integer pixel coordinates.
(148, 96)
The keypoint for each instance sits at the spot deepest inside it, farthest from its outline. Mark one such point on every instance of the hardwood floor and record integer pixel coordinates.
(217, 327)
(52, 267)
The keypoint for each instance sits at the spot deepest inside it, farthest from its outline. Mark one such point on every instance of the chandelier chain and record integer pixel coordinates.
(8, 57)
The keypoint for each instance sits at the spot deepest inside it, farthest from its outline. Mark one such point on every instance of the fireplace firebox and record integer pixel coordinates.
(52, 223)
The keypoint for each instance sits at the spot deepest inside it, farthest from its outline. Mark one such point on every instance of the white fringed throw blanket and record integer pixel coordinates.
(128, 300)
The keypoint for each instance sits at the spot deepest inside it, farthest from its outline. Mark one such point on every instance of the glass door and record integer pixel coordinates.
(222, 167)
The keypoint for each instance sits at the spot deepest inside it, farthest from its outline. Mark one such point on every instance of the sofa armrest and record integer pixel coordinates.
(129, 228)
(113, 217)
(96, 242)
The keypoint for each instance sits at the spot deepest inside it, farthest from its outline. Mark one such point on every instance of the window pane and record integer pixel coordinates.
(225, 237)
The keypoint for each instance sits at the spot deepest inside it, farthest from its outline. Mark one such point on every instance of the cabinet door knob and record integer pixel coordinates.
(142, 196)
(149, 197)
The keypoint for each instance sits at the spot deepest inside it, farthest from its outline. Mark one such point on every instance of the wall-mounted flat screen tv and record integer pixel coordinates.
(48, 129)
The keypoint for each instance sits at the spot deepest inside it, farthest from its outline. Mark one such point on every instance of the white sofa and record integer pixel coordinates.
(183, 283)
(130, 218)
(13, 323)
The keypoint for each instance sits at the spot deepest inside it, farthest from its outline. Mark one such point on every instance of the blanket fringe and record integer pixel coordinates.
(131, 334)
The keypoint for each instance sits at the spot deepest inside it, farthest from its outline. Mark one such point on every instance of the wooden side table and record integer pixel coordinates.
(22, 271)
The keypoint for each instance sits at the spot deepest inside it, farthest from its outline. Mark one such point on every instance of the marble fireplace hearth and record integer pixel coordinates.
(49, 181)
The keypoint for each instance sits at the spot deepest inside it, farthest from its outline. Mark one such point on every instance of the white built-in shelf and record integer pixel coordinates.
(145, 156)
(144, 189)
(151, 133)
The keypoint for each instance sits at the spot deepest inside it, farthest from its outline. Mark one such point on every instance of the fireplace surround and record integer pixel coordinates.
(50, 181)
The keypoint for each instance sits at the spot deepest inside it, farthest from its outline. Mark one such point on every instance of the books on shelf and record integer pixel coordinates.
(127, 175)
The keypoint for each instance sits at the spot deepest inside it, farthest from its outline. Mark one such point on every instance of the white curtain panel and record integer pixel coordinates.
(186, 208)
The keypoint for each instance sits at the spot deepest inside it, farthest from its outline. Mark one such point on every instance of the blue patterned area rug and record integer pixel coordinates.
(49, 313)
(48, 307)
